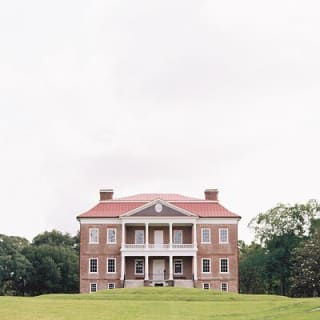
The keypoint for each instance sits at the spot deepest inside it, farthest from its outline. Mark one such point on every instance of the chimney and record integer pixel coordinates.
(106, 194)
(211, 194)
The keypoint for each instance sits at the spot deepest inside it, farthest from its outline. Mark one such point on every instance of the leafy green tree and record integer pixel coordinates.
(305, 271)
(280, 230)
(15, 268)
(252, 268)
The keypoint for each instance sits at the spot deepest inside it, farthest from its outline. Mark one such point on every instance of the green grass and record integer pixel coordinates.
(158, 303)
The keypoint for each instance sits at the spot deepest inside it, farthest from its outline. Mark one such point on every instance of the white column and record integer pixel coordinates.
(170, 235)
(123, 233)
(195, 267)
(147, 235)
(195, 234)
(146, 268)
(170, 268)
(123, 260)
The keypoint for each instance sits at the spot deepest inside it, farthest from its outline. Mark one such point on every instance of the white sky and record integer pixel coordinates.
(156, 96)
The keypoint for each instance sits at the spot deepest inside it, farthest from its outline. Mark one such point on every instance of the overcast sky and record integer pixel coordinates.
(156, 96)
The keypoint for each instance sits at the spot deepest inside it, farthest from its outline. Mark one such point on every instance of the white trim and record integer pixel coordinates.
(93, 272)
(223, 242)
(163, 203)
(174, 269)
(140, 273)
(227, 265)
(115, 236)
(227, 286)
(209, 286)
(115, 265)
(99, 221)
(201, 240)
(93, 242)
(91, 283)
(205, 272)
(111, 284)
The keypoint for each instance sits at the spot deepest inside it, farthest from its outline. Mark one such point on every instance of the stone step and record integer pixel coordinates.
(133, 283)
(183, 283)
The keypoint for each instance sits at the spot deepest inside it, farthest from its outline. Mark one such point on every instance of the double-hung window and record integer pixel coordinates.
(111, 265)
(224, 265)
(224, 286)
(139, 266)
(205, 235)
(139, 236)
(223, 235)
(93, 265)
(111, 236)
(206, 265)
(93, 235)
(178, 266)
(93, 287)
(177, 237)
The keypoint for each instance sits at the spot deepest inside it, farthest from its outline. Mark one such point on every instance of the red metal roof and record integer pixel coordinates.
(154, 196)
(117, 207)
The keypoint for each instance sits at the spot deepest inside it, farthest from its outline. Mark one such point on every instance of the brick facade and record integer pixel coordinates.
(162, 257)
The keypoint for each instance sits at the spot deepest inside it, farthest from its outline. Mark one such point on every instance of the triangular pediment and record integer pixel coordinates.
(158, 208)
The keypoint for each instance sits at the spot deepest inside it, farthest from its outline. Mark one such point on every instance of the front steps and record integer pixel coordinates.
(184, 283)
(133, 283)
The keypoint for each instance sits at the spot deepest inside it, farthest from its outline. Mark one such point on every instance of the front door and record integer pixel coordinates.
(158, 269)
(158, 238)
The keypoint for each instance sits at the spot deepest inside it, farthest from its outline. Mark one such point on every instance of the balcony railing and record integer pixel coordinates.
(152, 246)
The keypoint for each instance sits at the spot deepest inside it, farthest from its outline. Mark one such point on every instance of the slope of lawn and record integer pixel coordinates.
(158, 303)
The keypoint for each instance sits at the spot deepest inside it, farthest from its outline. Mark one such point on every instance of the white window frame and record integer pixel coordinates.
(206, 272)
(176, 231)
(90, 238)
(220, 235)
(220, 265)
(135, 267)
(111, 286)
(209, 235)
(93, 272)
(226, 286)
(135, 236)
(115, 235)
(90, 287)
(204, 284)
(115, 265)
(174, 266)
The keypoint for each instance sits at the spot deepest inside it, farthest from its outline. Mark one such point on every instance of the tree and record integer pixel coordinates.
(280, 230)
(15, 269)
(305, 271)
(252, 268)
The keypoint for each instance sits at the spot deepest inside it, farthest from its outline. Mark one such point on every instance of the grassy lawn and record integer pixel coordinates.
(158, 303)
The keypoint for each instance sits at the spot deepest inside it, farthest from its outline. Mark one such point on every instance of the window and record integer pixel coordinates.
(111, 236)
(93, 265)
(177, 236)
(139, 266)
(224, 286)
(93, 287)
(205, 235)
(206, 265)
(111, 286)
(224, 265)
(178, 266)
(111, 265)
(93, 235)
(206, 286)
(139, 236)
(223, 236)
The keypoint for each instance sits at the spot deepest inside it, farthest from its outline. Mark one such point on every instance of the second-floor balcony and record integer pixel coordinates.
(158, 246)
